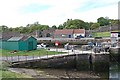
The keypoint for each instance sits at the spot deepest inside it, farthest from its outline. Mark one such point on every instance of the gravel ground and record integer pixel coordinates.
(55, 73)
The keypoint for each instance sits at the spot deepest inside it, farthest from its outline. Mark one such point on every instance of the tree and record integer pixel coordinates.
(54, 27)
(3, 28)
(95, 25)
(87, 26)
(90, 24)
(103, 21)
(60, 26)
(75, 24)
(113, 22)
(44, 27)
(71, 27)
(11, 29)
(37, 26)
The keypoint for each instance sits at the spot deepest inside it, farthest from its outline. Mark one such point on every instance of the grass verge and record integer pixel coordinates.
(5, 73)
(39, 52)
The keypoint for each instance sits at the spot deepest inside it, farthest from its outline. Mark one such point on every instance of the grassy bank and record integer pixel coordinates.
(39, 52)
(5, 73)
(9, 74)
(101, 34)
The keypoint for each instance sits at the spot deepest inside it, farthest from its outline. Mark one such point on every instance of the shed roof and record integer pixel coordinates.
(15, 39)
(23, 38)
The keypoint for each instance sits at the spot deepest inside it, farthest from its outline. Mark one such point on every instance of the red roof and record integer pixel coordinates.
(69, 31)
(76, 31)
(64, 31)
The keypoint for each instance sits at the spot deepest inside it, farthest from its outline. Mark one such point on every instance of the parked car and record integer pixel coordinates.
(78, 37)
(66, 46)
(90, 36)
(91, 44)
(69, 47)
(42, 45)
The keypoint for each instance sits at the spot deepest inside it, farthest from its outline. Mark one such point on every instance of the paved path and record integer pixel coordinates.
(67, 52)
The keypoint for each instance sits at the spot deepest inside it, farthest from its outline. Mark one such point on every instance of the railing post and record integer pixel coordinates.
(26, 57)
(18, 57)
(47, 54)
(11, 58)
(68, 51)
(74, 51)
(33, 56)
(39, 55)
(6, 58)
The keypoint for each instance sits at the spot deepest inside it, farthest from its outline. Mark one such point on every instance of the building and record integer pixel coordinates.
(6, 35)
(69, 33)
(36, 34)
(43, 33)
(48, 33)
(79, 32)
(115, 34)
(19, 43)
(64, 33)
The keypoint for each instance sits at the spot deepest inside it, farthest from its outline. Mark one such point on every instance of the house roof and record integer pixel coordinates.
(76, 31)
(8, 35)
(69, 31)
(64, 31)
(48, 31)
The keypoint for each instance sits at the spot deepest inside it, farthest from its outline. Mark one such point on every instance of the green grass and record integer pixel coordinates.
(9, 74)
(39, 52)
(5, 73)
(101, 34)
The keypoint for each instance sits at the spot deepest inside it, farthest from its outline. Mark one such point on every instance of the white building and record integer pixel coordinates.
(78, 32)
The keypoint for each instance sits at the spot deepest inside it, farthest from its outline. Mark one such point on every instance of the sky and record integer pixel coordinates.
(15, 13)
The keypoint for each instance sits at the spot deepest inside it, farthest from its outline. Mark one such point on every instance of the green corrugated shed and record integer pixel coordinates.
(19, 43)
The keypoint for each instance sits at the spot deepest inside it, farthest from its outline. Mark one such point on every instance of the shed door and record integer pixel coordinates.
(30, 45)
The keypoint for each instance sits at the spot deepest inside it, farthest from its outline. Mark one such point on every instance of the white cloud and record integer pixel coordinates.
(12, 16)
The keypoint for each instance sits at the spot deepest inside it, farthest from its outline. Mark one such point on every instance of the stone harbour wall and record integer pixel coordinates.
(82, 62)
